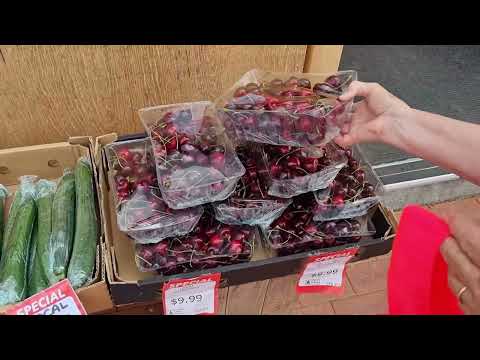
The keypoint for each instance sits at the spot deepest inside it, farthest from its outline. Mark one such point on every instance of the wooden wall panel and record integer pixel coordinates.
(323, 58)
(48, 93)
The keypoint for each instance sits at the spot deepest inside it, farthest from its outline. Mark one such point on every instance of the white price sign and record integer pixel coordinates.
(197, 296)
(324, 273)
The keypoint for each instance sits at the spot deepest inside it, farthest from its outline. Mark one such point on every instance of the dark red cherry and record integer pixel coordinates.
(329, 227)
(241, 91)
(236, 247)
(161, 248)
(170, 130)
(305, 124)
(304, 83)
(125, 154)
(334, 81)
(201, 159)
(215, 241)
(338, 200)
(293, 162)
(217, 160)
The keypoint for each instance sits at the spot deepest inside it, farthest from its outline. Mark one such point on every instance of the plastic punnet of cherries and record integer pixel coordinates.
(288, 112)
(195, 161)
(210, 244)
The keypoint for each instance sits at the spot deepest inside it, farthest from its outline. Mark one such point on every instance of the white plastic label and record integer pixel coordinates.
(197, 296)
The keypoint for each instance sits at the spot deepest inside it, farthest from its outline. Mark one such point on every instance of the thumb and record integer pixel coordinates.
(345, 140)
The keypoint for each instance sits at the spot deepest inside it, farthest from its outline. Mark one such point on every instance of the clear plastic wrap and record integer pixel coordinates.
(353, 193)
(141, 211)
(3, 196)
(295, 231)
(294, 109)
(42, 266)
(294, 171)
(63, 225)
(211, 244)
(250, 203)
(20, 224)
(195, 160)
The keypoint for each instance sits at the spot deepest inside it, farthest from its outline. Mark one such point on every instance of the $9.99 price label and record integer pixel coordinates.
(324, 273)
(196, 296)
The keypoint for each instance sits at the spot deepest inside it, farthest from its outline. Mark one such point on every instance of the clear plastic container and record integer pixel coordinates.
(293, 171)
(296, 231)
(195, 160)
(294, 109)
(250, 203)
(354, 192)
(141, 211)
(211, 244)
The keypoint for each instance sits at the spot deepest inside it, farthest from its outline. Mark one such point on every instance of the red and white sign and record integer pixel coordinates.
(58, 299)
(324, 273)
(196, 296)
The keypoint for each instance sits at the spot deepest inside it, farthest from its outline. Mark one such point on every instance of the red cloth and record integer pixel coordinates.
(417, 277)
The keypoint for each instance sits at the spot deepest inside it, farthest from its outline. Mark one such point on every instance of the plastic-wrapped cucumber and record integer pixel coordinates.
(17, 200)
(63, 225)
(42, 267)
(14, 263)
(3, 196)
(82, 262)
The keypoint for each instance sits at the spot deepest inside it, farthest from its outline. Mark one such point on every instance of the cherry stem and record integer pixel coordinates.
(287, 154)
(141, 258)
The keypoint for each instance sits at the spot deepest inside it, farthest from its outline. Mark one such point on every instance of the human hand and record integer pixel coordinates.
(462, 255)
(372, 117)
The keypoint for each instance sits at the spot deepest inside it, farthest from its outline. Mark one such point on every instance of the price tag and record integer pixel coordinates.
(324, 273)
(58, 299)
(196, 296)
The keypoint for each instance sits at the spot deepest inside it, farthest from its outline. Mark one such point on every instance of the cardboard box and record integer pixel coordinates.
(128, 285)
(48, 161)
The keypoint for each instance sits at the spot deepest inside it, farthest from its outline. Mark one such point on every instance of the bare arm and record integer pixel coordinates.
(381, 117)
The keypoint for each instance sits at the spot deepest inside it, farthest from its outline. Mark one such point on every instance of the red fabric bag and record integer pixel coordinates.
(417, 277)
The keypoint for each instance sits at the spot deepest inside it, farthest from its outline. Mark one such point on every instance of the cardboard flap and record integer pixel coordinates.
(81, 140)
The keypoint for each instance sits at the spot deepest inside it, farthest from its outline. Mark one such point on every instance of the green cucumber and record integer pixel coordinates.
(3, 196)
(63, 225)
(42, 264)
(14, 263)
(82, 262)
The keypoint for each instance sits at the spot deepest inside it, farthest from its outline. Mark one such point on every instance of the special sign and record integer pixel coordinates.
(59, 299)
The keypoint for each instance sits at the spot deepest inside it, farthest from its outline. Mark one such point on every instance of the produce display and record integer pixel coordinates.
(282, 175)
(3, 196)
(141, 211)
(293, 170)
(250, 203)
(51, 232)
(296, 231)
(348, 195)
(210, 244)
(287, 109)
(195, 161)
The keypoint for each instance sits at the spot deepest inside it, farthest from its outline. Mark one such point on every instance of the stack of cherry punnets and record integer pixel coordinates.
(210, 178)
(165, 186)
(290, 120)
